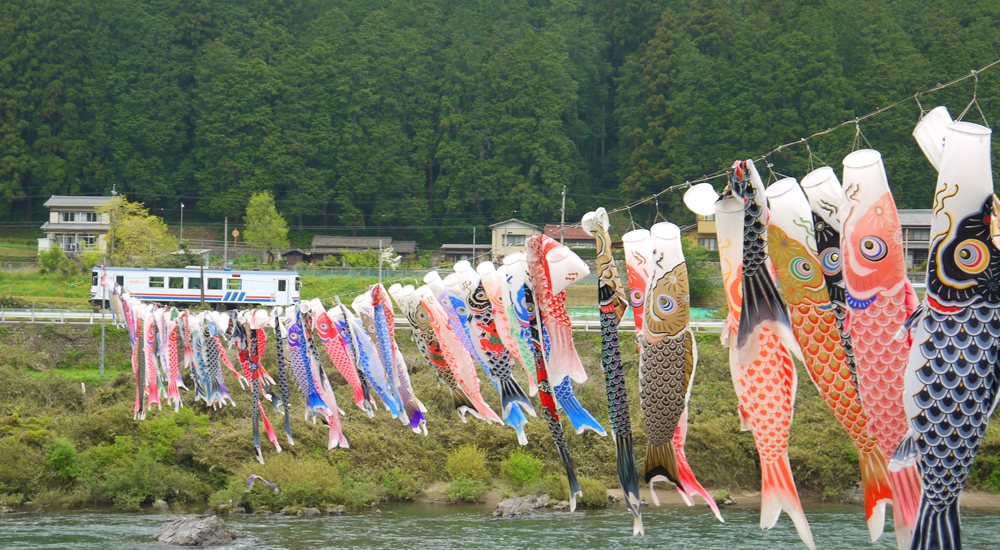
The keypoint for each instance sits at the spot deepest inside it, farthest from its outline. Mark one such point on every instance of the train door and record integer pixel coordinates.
(281, 296)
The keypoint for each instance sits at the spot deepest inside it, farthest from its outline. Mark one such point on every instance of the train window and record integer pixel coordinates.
(282, 284)
(298, 284)
(120, 279)
(176, 282)
(215, 284)
(93, 278)
(234, 284)
(156, 282)
(194, 283)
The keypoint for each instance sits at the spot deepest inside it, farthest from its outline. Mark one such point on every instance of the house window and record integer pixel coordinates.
(709, 218)
(918, 234)
(90, 217)
(513, 240)
(88, 241)
(194, 284)
(710, 244)
(215, 284)
(176, 282)
(67, 216)
(282, 284)
(156, 282)
(234, 284)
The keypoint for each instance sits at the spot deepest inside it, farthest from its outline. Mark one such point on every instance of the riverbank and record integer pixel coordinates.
(61, 445)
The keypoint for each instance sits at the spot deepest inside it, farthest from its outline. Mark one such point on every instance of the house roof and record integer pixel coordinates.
(479, 246)
(515, 221)
(323, 241)
(69, 201)
(915, 217)
(295, 251)
(76, 227)
(569, 233)
(324, 244)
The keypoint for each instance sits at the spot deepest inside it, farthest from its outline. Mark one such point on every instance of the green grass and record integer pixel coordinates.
(325, 288)
(47, 290)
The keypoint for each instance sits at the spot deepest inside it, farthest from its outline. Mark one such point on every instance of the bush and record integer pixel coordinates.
(11, 500)
(594, 492)
(62, 459)
(399, 485)
(52, 260)
(468, 461)
(521, 469)
(300, 481)
(985, 473)
(466, 489)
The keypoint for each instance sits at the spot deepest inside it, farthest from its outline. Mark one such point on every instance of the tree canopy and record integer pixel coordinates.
(265, 228)
(136, 237)
(422, 118)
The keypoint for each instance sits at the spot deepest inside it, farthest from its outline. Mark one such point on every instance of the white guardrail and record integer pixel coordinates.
(78, 317)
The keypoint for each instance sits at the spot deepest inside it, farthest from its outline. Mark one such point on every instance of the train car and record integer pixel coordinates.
(222, 287)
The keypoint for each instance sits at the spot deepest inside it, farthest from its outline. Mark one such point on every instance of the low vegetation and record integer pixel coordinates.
(59, 445)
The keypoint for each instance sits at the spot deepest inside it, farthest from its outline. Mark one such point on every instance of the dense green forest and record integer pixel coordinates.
(425, 117)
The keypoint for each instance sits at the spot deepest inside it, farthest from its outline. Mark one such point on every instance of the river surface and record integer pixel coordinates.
(413, 526)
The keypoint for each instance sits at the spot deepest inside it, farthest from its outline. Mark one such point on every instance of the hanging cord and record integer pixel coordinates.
(632, 225)
(858, 136)
(975, 100)
(658, 215)
(916, 97)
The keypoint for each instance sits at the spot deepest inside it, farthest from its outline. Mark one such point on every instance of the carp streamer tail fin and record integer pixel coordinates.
(762, 306)
(574, 484)
(689, 483)
(464, 405)
(906, 504)
(628, 476)
(511, 394)
(877, 490)
(271, 436)
(517, 420)
(937, 529)
(580, 418)
(778, 493)
(661, 465)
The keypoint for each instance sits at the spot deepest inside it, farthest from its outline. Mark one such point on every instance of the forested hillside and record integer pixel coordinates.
(427, 117)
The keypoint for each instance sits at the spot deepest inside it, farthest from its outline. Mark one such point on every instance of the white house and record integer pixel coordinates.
(509, 236)
(74, 224)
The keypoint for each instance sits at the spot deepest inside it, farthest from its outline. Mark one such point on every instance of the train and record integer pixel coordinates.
(224, 288)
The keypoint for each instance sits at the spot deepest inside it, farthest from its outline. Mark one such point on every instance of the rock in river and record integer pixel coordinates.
(194, 531)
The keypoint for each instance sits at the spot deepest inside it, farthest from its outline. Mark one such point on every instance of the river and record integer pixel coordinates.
(413, 526)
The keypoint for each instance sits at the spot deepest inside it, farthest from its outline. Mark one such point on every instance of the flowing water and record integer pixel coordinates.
(413, 526)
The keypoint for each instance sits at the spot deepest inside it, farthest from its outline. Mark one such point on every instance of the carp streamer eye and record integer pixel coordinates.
(635, 296)
(873, 248)
(972, 256)
(802, 269)
(666, 304)
(829, 261)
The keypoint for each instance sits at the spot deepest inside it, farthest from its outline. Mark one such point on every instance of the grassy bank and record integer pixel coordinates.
(59, 445)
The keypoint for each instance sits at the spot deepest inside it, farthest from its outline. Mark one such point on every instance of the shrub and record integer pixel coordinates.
(594, 492)
(466, 489)
(521, 469)
(61, 457)
(399, 485)
(11, 500)
(52, 260)
(20, 467)
(468, 461)
(300, 481)
(556, 486)
(985, 473)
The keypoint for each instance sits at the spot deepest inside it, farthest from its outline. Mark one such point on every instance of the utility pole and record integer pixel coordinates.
(225, 246)
(182, 221)
(201, 285)
(562, 219)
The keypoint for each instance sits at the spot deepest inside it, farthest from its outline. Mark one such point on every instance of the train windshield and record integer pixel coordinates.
(298, 284)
